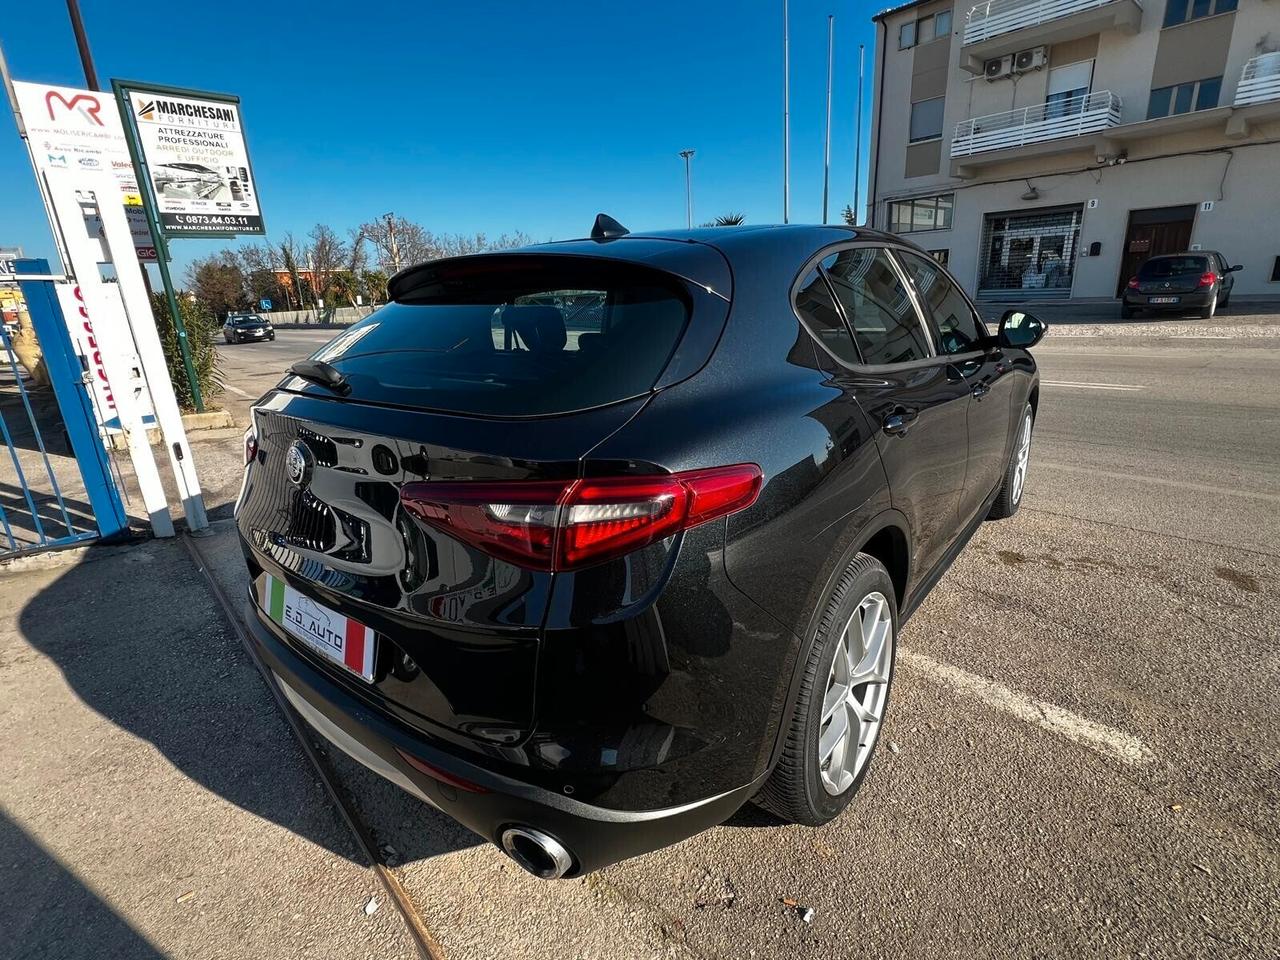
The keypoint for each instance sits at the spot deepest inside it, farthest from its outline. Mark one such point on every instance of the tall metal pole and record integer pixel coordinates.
(826, 142)
(158, 238)
(857, 143)
(688, 187)
(786, 114)
(82, 41)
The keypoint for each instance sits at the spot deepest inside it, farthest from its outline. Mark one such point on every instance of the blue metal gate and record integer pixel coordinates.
(40, 515)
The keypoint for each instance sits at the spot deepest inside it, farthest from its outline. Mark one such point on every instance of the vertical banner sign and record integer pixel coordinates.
(72, 129)
(195, 154)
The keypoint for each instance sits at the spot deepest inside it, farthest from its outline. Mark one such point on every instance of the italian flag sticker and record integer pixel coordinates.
(340, 639)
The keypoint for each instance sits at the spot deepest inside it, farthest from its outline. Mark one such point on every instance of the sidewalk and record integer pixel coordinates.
(1247, 320)
(154, 803)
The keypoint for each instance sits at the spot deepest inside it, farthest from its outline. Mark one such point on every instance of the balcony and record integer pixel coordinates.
(1032, 131)
(997, 27)
(1259, 81)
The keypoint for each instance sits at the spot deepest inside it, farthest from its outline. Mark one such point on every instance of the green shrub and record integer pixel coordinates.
(202, 331)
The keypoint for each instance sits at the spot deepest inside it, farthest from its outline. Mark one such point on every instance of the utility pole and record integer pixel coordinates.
(391, 243)
(786, 114)
(82, 41)
(826, 143)
(688, 188)
(857, 143)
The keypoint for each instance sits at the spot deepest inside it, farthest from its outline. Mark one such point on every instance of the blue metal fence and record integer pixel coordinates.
(47, 521)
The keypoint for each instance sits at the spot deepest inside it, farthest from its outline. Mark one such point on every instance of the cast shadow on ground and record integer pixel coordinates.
(140, 639)
(46, 912)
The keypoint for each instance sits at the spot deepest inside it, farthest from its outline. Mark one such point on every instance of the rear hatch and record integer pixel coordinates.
(497, 368)
(1164, 276)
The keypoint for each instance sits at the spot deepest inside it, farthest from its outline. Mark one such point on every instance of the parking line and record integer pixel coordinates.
(1222, 491)
(1128, 387)
(237, 391)
(1108, 741)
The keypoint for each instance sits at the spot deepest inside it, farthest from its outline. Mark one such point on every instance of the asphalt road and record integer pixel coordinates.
(1081, 757)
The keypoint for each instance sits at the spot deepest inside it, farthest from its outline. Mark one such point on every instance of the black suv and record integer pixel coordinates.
(1198, 280)
(243, 327)
(589, 543)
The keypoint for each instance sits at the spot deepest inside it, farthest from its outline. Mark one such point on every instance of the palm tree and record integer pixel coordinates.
(730, 220)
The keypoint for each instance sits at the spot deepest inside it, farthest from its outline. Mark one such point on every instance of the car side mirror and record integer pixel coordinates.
(1021, 330)
(1237, 268)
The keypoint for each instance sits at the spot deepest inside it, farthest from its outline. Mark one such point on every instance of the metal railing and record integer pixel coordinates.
(1044, 121)
(991, 19)
(1259, 80)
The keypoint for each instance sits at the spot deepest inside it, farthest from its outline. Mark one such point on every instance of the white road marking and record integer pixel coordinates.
(1092, 386)
(1178, 484)
(238, 392)
(1102, 739)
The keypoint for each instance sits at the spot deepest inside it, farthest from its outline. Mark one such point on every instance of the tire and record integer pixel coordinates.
(802, 789)
(1013, 486)
(1126, 312)
(1206, 313)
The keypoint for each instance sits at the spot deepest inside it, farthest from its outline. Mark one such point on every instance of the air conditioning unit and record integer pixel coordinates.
(1033, 59)
(999, 67)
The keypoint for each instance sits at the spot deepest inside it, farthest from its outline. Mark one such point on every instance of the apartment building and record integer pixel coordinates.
(1044, 148)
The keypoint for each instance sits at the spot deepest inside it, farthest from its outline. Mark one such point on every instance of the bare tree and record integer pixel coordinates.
(397, 242)
(290, 252)
(326, 255)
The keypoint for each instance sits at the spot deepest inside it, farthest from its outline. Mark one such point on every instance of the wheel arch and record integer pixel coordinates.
(887, 537)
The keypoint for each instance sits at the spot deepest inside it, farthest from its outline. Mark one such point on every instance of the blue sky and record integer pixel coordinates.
(485, 117)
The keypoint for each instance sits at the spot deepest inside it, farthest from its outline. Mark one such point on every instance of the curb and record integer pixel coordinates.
(1168, 331)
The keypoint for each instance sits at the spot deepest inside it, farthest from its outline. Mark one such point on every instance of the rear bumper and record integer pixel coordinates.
(594, 836)
(1186, 301)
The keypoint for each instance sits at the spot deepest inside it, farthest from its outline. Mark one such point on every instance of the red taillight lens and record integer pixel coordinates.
(1133, 283)
(566, 525)
(513, 521)
(1208, 279)
(250, 446)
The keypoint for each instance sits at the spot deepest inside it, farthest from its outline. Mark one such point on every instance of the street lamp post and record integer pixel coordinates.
(688, 187)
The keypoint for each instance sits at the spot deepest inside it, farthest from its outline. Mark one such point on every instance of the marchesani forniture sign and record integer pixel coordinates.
(198, 164)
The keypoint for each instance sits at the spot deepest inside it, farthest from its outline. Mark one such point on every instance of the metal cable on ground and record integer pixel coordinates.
(427, 946)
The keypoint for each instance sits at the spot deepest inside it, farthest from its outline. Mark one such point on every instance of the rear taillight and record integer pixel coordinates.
(566, 525)
(250, 445)
(1133, 283)
(1208, 279)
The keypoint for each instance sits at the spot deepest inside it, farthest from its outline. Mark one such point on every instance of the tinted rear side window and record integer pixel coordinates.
(517, 336)
(885, 323)
(1165, 267)
(818, 311)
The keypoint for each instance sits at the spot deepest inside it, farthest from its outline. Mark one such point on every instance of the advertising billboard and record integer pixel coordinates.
(72, 129)
(196, 157)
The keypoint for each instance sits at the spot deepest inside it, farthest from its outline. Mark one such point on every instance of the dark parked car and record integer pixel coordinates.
(1197, 280)
(242, 327)
(587, 544)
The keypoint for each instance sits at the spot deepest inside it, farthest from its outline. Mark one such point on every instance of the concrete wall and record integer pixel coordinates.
(1163, 169)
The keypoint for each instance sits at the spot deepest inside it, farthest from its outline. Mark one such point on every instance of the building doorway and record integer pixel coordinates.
(1151, 233)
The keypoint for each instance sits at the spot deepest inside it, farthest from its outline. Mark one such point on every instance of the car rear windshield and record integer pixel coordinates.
(513, 336)
(1162, 268)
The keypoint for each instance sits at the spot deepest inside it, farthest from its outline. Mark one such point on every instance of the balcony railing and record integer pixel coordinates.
(1089, 113)
(1259, 80)
(990, 19)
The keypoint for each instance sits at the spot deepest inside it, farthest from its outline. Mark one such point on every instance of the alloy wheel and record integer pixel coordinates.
(1023, 459)
(856, 694)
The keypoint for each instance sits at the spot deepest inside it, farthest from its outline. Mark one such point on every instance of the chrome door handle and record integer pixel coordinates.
(897, 423)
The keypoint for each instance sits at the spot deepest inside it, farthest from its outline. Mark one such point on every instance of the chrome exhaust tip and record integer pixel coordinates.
(541, 855)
